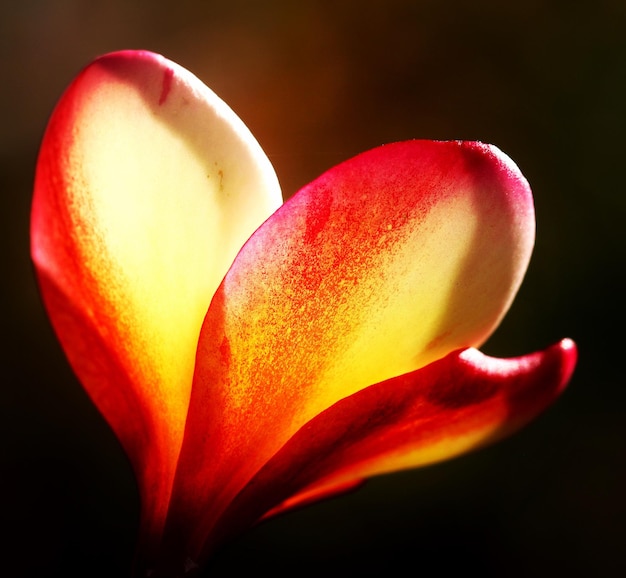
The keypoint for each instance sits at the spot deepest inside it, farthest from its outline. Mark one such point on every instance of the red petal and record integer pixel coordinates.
(454, 405)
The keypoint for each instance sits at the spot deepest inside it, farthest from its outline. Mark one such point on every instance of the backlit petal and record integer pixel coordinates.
(382, 265)
(454, 405)
(147, 185)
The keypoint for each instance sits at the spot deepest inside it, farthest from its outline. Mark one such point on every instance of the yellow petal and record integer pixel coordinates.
(147, 186)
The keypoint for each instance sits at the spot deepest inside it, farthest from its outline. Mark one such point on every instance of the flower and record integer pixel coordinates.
(253, 357)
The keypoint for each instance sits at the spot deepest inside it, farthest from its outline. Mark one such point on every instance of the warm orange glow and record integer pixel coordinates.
(253, 358)
(134, 227)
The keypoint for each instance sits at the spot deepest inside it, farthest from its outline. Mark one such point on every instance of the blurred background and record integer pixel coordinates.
(318, 82)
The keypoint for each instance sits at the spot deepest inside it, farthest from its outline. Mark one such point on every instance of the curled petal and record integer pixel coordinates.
(381, 266)
(463, 401)
(147, 185)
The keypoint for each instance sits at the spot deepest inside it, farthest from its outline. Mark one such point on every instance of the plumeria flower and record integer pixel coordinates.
(253, 357)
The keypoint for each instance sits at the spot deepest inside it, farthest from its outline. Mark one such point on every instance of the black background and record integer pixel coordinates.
(318, 82)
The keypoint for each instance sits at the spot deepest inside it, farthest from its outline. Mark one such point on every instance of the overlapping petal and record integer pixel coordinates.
(384, 264)
(247, 371)
(147, 185)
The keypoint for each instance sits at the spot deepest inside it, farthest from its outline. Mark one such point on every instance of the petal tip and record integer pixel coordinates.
(568, 351)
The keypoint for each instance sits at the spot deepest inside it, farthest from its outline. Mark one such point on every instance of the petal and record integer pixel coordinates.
(459, 403)
(382, 265)
(147, 185)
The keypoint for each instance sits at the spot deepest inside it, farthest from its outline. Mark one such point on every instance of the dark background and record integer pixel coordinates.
(318, 82)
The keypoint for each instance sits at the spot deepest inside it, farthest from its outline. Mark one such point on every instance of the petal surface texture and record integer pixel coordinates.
(384, 264)
(147, 186)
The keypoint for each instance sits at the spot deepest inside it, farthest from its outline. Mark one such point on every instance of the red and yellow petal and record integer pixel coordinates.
(449, 407)
(147, 186)
(381, 266)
